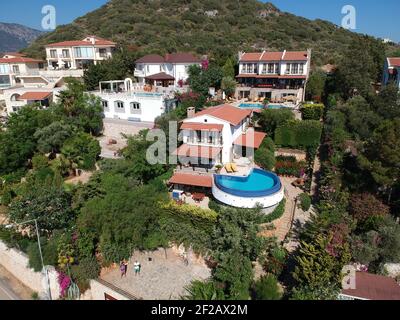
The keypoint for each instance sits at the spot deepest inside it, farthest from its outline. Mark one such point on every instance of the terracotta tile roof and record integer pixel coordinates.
(296, 55)
(226, 112)
(186, 150)
(160, 76)
(394, 62)
(274, 56)
(74, 43)
(15, 54)
(151, 58)
(19, 60)
(36, 96)
(181, 57)
(271, 56)
(251, 139)
(202, 126)
(192, 180)
(374, 287)
(250, 56)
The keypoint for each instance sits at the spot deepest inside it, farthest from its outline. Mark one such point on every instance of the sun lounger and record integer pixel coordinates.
(233, 167)
(228, 168)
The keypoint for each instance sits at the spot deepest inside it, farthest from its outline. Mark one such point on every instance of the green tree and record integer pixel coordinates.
(82, 150)
(267, 288)
(52, 137)
(79, 108)
(206, 290)
(382, 155)
(228, 69)
(316, 85)
(270, 119)
(228, 84)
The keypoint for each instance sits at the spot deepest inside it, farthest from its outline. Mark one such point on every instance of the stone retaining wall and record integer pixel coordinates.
(16, 262)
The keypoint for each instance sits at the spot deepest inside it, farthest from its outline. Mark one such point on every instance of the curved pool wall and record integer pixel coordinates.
(266, 195)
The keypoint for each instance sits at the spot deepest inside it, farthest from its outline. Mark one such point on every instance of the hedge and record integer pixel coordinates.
(305, 201)
(190, 211)
(276, 214)
(299, 134)
(312, 111)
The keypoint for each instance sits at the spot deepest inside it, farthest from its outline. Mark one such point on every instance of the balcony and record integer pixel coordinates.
(139, 73)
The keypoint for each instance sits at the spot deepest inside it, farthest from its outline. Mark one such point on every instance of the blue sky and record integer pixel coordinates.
(378, 18)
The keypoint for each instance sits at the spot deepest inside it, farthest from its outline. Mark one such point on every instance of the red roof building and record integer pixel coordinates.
(226, 112)
(372, 287)
(195, 180)
(35, 96)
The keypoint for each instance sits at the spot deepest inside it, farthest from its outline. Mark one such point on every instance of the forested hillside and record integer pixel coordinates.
(216, 27)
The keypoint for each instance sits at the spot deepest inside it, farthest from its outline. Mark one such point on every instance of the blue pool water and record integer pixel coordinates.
(258, 183)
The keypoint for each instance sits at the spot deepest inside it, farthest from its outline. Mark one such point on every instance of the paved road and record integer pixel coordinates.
(6, 293)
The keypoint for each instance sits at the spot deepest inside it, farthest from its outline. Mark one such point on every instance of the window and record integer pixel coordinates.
(4, 69)
(65, 53)
(271, 68)
(104, 103)
(301, 69)
(119, 107)
(15, 69)
(53, 53)
(287, 68)
(135, 108)
(103, 53)
(295, 68)
(84, 52)
(5, 81)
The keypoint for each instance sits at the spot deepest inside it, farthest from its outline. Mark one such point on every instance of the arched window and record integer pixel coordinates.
(104, 103)
(119, 107)
(135, 108)
(15, 97)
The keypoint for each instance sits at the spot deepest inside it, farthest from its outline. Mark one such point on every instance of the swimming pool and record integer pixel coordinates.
(259, 187)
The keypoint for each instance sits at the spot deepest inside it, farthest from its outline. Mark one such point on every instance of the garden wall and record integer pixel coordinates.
(102, 290)
(299, 154)
(16, 262)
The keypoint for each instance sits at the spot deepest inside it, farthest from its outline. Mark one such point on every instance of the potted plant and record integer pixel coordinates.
(218, 168)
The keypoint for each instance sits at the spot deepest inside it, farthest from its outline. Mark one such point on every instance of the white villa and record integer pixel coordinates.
(391, 71)
(24, 80)
(273, 75)
(165, 71)
(78, 54)
(222, 137)
(122, 99)
(13, 66)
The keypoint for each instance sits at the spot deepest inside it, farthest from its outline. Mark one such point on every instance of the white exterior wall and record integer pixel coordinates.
(281, 69)
(150, 106)
(229, 134)
(243, 202)
(11, 96)
(72, 57)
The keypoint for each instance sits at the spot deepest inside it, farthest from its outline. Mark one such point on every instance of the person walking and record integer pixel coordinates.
(137, 267)
(122, 268)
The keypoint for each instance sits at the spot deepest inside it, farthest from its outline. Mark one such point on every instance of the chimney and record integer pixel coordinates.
(191, 112)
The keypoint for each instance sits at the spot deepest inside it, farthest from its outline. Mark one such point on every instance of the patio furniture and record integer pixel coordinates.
(228, 168)
(233, 167)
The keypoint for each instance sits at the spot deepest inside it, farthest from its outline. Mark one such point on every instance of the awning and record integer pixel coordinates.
(35, 96)
(160, 76)
(195, 180)
(186, 150)
(202, 126)
(251, 139)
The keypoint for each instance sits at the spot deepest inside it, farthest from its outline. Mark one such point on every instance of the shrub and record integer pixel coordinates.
(190, 210)
(299, 134)
(365, 205)
(87, 269)
(312, 111)
(267, 288)
(265, 158)
(276, 214)
(290, 168)
(305, 201)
